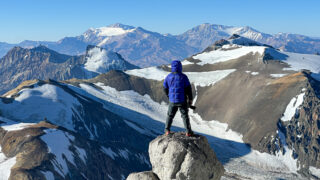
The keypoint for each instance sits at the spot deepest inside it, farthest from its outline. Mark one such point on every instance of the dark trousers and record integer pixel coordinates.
(173, 108)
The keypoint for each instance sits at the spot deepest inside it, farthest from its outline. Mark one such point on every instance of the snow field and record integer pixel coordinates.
(48, 100)
(197, 78)
(154, 73)
(302, 61)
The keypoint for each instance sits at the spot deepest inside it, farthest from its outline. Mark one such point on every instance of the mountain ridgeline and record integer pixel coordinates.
(145, 48)
(22, 64)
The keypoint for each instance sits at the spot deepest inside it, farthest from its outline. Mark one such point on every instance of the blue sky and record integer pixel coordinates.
(55, 19)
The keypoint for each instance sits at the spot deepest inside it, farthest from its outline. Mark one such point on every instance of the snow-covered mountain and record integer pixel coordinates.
(257, 106)
(204, 35)
(145, 48)
(22, 64)
(137, 45)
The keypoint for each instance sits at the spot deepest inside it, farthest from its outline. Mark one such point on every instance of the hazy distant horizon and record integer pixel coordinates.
(50, 21)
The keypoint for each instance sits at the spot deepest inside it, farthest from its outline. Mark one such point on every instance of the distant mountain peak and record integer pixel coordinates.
(89, 47)
(240, 40)
(42, 48)
(122, 26)
(234, 36)
(111, 30)
(99, 60)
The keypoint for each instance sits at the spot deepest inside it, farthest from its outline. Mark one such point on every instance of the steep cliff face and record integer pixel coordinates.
(302, 132)
(39, 63)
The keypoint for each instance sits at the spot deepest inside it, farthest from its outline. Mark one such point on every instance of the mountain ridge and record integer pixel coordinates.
(40, 62)
(146, 48)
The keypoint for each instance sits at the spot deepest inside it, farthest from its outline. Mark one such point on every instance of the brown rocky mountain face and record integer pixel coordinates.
(302, 132)
(251, 104)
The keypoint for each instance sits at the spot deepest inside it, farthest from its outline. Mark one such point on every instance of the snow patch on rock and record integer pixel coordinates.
(49, 175)
(5, 165)
(16, 127)
(292, 107)
(108, 151)
(287, 156)
(226, 53)
(314, 171)
(277, 75)
(58, 143)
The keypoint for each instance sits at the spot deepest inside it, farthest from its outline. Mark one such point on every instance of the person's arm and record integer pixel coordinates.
(188, 91)
(166, 87)
(166, 91)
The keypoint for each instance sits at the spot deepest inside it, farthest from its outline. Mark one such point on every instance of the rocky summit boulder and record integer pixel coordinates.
(146, 175)
(179, 157)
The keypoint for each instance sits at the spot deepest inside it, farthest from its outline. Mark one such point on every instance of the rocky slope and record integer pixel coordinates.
(80, 138)
(42, 63)
(254, 105)
(258, 96)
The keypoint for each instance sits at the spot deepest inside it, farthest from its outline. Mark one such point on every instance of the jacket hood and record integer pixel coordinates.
(176, 66)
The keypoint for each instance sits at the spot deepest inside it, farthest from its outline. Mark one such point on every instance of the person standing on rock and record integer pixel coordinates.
(178, 89)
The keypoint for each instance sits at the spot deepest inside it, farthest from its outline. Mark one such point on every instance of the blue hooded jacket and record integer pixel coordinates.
(177, 85)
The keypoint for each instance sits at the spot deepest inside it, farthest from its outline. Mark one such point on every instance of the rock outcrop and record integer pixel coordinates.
(146, 175)
(179, 157)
